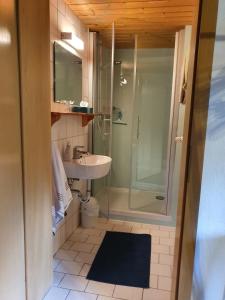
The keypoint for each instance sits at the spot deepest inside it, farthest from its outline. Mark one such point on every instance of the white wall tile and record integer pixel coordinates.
(68, 128)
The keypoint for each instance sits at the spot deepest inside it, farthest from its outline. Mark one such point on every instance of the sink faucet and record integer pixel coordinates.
(78, 153)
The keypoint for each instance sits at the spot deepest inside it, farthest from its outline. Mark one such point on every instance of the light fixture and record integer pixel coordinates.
(73, 40)
(5, 37)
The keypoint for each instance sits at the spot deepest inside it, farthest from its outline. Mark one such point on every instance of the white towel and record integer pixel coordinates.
(62, 195)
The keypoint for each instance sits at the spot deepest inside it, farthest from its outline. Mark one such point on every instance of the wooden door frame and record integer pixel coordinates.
(200, 69)
(34, 65)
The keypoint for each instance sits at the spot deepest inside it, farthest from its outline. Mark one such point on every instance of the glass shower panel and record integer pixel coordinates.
(103, 64)
(151, 129)
(121, 128)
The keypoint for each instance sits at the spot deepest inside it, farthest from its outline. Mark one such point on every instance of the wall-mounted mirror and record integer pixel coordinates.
(67, 74)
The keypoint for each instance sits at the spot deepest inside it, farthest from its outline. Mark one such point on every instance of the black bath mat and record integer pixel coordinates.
(123, 259)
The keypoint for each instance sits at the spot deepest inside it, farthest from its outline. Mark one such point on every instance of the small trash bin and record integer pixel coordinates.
(89, 213)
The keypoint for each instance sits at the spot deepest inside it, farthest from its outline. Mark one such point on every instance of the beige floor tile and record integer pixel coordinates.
(155, 240)
(74, 295)
(151, 226)
(72, 282)
(78, 237)
(78, 230)
(66, 254)
(55, 263)
(83, 247)
(154, 294)
(95, 249)
(168, 228)
(77, 254)
(154, 258)
(167, 241)
(83, 257)
(67, 245)
(104, 226)
(56, 294)
(134, 224)
(96, 240)
(164, 283)
(57, 277)
(163, 270)
(160, 233)
(140, 230)
(69, 267)
(85, 269)
(116, 222)
(122, 228)
(172, 234)
(100, 288)
(171, 250)
(92, 231)
(106, 298)
(102, 220)
(153, 281)
(127, 292)
(165, 259)
(164, 249)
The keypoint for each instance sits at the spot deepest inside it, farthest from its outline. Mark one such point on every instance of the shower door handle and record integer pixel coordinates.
(138, 128)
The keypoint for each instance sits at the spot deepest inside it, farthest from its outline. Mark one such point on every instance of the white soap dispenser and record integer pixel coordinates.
(67, 155)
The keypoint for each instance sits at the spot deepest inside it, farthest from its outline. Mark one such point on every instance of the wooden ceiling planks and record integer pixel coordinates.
(154, 21)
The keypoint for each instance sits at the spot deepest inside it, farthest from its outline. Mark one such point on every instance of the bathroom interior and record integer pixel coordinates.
(117, 109)
(133, 83)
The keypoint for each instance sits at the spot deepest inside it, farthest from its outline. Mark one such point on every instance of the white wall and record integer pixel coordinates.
(68, 128)
(209, 268)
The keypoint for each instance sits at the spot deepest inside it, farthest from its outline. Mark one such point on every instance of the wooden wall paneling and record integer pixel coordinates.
(133, 16)
(193, 150)
(35, 97)
(12, 262)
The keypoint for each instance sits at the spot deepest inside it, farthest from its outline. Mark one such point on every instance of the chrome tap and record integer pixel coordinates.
(78, 153)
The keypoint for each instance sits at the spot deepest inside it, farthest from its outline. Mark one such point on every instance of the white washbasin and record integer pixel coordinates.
(88, 167)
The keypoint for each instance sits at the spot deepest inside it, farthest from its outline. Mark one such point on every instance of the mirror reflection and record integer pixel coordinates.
(67, 74)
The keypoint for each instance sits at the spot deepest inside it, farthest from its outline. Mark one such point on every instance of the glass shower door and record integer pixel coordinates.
(102, 124)
(151, 130)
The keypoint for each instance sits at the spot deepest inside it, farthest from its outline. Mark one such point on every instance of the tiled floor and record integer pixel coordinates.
(72, 263)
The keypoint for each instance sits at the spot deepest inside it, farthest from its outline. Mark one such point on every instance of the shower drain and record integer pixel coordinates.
(160, 197)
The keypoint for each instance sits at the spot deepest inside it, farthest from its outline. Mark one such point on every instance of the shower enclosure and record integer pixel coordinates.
(134, 95)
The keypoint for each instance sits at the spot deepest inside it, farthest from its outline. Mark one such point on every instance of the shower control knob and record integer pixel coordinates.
(179, 139)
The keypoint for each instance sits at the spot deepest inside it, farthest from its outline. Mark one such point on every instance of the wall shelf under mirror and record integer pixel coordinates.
(86, 118)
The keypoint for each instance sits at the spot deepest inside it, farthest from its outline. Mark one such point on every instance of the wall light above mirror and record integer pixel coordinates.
(67, 74)
(73, 40)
